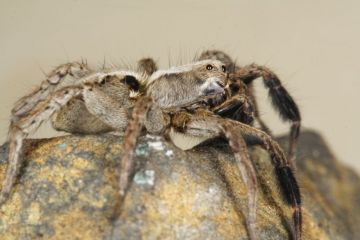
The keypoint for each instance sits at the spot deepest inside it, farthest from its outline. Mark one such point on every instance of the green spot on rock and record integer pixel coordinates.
(146, 177)
(142, 149)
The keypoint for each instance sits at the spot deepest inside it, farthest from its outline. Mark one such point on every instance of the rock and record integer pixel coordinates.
(67, 191)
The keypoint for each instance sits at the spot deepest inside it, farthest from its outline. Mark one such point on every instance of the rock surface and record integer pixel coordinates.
(67, 191)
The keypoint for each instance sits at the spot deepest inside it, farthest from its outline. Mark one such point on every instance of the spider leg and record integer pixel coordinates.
(238, 145)
(199, 126)
(281, 99)
(131, 136)
(132, 133)
(206, 124)
(239, 108)
(232, 67)
(49, 85)
(23, 127)
(283, 170)
(97, 103)
(147, 66)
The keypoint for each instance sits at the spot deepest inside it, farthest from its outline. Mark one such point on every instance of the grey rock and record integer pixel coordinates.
(67, 191)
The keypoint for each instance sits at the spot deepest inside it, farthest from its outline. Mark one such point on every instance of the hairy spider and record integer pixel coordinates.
(280, 98)
(183, 102)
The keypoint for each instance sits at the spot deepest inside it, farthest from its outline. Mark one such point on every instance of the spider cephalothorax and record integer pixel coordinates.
(193, 102)
(190, 82)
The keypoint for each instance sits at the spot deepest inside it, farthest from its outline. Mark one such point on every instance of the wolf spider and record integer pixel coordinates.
(186, 102)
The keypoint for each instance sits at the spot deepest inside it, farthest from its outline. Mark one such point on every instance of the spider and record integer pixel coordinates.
(180, 103)
(281, 99)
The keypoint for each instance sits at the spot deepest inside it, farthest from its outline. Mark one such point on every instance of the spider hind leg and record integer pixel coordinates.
(284, 173)
(291, 192)
(24, 105)
(280, 98)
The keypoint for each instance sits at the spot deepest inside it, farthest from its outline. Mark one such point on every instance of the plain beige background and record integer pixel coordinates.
(312, 45)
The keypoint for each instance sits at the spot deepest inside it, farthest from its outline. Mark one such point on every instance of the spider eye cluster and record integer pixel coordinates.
(209, 67)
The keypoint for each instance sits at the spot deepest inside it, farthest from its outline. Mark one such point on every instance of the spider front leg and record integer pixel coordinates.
(132, 133)
(205, 125)
(145, 113)
(232, 68)
(239, 107)
(281, 99)
(147, 66)
(49, 85)
(238, 145)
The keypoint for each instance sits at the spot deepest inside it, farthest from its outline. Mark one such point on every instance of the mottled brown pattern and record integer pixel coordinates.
(67, 190)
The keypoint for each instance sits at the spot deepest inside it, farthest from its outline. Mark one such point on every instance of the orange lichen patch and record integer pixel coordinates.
(68, 187)
(34, 213)
(179, 208)
(10, 211)
(82, 164)
(175, 210)
(229, 222)
(93, 146)
(232, 176)
(114, 149)
(97, 202)
(75, 224)
(38, 151)
(2, 172)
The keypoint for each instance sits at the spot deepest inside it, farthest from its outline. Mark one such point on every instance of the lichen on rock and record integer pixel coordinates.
(67, 190)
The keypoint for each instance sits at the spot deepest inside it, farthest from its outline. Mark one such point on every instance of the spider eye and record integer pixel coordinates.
(209, 67)
(223, 68)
